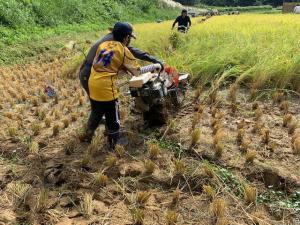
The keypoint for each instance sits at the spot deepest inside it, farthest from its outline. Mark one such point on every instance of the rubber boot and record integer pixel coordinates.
(88, 136)
(113, 138)
(117, 138)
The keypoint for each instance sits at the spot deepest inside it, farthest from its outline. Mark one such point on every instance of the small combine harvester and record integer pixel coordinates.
(156, 92)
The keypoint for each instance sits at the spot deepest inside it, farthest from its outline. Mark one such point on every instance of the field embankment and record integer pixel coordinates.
(27, 28)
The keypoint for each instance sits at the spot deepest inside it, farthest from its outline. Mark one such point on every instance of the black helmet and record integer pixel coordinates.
(121, 30)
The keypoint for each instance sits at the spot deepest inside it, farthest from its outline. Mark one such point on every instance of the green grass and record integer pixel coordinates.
(271, 196)
(32, 27)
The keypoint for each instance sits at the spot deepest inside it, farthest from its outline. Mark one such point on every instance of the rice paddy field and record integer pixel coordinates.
(262, 49)
(229, 155)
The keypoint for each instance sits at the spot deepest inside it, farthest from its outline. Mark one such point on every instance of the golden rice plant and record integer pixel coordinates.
(253, 93)
(286, 119)
(172, 125)
(258, 126)
(212, 96)
(34, 147)
(179, 167)
(246, 142)
(176, 196)
(195, 136)
(240, 136)
(70, 145)
(85, 160)
(250, 194)
(110, 160)
(218, 126)
(284, 106)
(41, 115)
(100, 179)
(35, 101)
(208, 170)
(12, 131)
(43, 97)
(222, 221)
(259, 217)
(86, 205)
(66, 122)
(48, 121)
(142, 197)
(219, 149)
(219, 208)
(198, 92)
(278, 97)
(120, 150)
(8, 115)
(209, 191)
(200, 109)
(42, 201)
(196, 119)
(265, 136)
(219, 137)
(232, 92)
(258, 113)
(292, 125)
(55, 130)
(296, 146)
(172, 218)
(154, 150)
(36, 128)
(138, 216)
(149, 166)
(57, 114)
(295, 136)
(251, 155)
(96, 143)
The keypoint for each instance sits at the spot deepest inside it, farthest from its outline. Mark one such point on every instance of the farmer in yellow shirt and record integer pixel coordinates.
(111, 57)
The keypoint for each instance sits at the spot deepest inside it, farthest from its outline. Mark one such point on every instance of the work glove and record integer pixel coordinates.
(150, 68)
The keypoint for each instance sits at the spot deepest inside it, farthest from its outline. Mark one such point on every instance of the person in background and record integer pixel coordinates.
(86, 66)
(184, 21)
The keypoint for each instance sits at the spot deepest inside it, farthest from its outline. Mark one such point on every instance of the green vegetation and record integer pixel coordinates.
(24, 24)
(235, 185)
(232, 2)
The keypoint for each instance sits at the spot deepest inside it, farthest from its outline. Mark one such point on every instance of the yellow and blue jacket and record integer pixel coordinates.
(111, 57)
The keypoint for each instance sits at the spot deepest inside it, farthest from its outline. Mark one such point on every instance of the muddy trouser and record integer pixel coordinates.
(111, 111)
(84, 77)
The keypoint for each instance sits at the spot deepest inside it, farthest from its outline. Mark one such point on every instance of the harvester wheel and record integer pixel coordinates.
(177, 97)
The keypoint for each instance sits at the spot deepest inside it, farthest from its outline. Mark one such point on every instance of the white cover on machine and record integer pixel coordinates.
(138, 82)
(297, 9)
